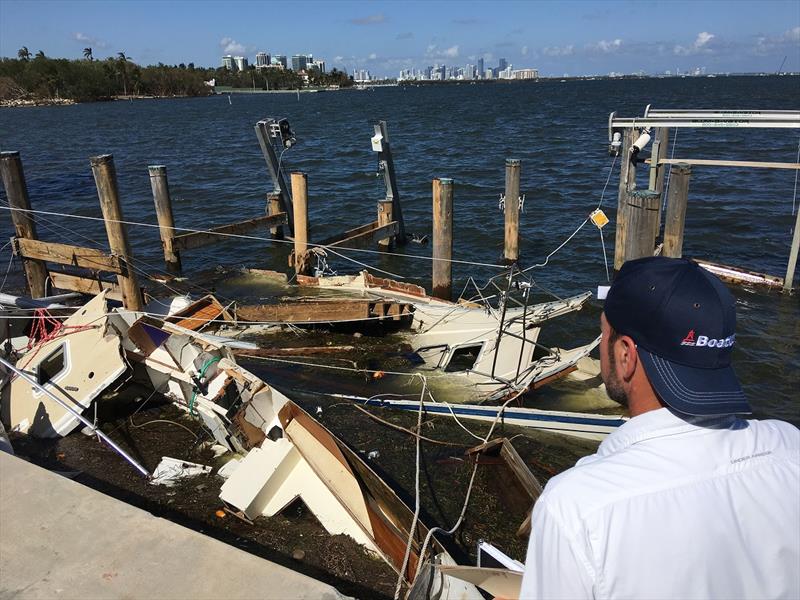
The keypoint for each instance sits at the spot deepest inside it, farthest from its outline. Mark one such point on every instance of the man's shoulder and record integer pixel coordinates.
(599, 480)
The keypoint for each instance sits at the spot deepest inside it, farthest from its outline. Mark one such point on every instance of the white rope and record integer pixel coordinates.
(8, 270)
(252, 237)
(605, 258)
(415, 520)
(455, 527)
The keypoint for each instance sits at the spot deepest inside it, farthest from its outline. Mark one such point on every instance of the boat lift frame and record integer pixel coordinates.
(688, 118)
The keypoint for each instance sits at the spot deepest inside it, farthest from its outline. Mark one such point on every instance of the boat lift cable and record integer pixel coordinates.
(454, 528)
(669, 172)
(796, 173)
(77, 415)
(45, 222)
(255, 238)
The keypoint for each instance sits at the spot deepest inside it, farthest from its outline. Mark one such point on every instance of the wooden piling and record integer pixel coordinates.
(627, 182)
(384, 218)
(642, 211)
(166, 222)
(390, 179)
(273, 208)
(675, 219)
(24, 223)
(105, 179)
(511, 250)
(442, 281)
(300, 207)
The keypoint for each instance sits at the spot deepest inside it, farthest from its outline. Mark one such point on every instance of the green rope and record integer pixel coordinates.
(203, 370)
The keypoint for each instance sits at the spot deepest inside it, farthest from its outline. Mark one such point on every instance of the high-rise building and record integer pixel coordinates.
(469, 71)
(317, 65)
(280, 59)
(240, 62)
(480, 68)
(502, 64)
(262, 59)
(301, 62)
(227, 62)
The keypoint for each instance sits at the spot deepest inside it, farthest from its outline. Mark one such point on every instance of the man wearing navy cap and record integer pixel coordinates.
(685, 500)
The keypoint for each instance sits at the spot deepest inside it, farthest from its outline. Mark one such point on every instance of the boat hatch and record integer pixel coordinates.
(463, 358)
(53, 366)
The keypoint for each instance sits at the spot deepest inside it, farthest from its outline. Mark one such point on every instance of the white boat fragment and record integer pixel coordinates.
(170, 470)
(77, 365)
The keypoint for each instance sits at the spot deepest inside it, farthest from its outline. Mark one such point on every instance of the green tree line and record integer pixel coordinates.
(39, 76)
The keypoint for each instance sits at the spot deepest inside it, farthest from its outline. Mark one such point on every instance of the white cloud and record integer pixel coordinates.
(524, 51)
(559, 50)
(606, 47)
(372, 56)
(83, 38)
(231, 46)
(779, 43)
(699, 46)
(433, 51)
(338, 59)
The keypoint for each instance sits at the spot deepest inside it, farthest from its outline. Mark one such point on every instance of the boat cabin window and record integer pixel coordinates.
(463, 358)
(432, 355)
(52, 365)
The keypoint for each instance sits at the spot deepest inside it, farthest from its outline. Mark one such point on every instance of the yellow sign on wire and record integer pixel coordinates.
(599, 218)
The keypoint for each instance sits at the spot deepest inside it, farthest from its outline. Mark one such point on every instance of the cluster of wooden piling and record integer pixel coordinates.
(386, 231)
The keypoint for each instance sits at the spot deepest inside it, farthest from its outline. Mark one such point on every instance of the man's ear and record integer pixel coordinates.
(626, 356)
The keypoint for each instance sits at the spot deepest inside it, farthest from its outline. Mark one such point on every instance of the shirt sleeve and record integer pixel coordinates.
(556, 566)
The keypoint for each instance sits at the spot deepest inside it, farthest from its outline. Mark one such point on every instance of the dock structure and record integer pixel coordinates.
(639, 211)
(90, 264)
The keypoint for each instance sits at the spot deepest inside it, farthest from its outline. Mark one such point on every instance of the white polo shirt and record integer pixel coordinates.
(670, 508)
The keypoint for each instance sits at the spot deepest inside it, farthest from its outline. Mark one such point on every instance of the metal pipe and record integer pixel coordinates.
(77, 415)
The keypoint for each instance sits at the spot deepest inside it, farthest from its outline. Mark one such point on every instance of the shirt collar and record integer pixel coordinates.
(658, 423)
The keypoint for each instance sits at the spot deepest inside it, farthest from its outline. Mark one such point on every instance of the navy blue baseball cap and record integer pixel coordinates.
(683, 320)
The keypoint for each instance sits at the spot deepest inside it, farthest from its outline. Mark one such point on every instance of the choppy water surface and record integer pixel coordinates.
(558, 129)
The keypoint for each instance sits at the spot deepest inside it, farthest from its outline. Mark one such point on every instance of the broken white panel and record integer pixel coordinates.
(271, 477)
(76, 366)
(170, 470)
(499, 556)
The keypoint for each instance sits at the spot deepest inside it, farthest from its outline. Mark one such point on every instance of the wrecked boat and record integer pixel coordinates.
(491, 348)
(281, 452)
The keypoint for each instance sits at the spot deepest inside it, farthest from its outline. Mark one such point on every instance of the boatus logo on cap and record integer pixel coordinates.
(707, 342)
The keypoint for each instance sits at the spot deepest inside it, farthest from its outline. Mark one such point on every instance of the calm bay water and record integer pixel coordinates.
(558, 129)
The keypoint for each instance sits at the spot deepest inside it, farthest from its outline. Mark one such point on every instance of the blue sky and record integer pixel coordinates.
(564, 37)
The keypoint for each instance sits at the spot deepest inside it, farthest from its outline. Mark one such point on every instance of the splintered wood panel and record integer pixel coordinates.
(64, 254)
(307, 312)
(364, 236)
(187, 241)
(84, 285)
(199, 313)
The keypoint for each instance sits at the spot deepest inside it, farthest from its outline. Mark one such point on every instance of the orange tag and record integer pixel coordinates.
(599, 218)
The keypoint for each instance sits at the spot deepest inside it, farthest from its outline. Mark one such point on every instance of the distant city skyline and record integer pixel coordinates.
(385, 38)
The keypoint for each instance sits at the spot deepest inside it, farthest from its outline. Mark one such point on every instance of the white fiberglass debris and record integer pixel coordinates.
(169, 470)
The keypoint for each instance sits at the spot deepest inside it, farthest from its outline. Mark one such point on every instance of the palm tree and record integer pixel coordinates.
(123, 69)
(87, 54)
(40, 54)
(24, 53)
